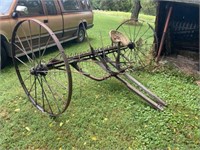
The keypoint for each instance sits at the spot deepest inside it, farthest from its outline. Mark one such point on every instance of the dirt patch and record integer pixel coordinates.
(198, 83)
(4, 114)
(187, 65)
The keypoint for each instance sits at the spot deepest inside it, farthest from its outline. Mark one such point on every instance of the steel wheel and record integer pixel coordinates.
(142, 42)
(46, 79)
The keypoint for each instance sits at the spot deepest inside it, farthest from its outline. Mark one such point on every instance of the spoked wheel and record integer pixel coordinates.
(46, 79)
(142, 41)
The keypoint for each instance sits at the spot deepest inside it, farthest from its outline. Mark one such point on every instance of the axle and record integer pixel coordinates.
(54, 63)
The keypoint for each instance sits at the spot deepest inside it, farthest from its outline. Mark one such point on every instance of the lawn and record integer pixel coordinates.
(104, 115)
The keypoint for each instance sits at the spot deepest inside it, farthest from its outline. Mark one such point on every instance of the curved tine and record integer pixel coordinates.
(88, 41)
(39, 41)
(102, 45)
(80, 70)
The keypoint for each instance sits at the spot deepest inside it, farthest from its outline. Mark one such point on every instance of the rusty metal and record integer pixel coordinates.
(34, 75)
(116, 60)
(164, 34)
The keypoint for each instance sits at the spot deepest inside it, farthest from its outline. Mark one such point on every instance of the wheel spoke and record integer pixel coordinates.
(138, 32)
(21, 61)
(45, 48)
(31, 88)
(31, 43)
(23, 49)
(45, 95)
(50, 89)
(130, 35)
(57, 82)
(143, 35)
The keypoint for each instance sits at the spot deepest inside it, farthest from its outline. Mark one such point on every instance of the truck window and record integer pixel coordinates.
(70, 5)
(34, 8)
(85, 4)
(5, 6)
(88, 4)
(51, 8)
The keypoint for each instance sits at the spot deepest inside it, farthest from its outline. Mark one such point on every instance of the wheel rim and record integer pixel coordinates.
(46, 79)
(81, 35)
(143, 42)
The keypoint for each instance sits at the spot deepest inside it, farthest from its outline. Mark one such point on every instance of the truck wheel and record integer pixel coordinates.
(81, 35)
(4, 57)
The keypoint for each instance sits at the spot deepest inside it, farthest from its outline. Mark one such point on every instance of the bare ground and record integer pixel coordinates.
(187, 65)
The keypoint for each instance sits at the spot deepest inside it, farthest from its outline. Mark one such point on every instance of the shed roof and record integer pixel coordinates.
(183, 1)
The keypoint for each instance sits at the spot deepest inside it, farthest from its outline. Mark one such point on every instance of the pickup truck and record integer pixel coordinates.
(68, 19)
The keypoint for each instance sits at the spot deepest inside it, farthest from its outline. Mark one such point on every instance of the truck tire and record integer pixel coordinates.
(81, 35)
(4, 57)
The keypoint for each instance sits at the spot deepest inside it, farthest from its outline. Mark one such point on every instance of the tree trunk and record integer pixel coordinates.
(136, 9)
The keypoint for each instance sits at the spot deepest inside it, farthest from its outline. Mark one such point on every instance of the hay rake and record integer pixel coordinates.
(47, 79)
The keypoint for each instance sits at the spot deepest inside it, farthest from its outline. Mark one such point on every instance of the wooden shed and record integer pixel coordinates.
(177, 28)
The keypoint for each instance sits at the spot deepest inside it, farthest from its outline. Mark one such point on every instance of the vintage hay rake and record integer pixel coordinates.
(47, 79)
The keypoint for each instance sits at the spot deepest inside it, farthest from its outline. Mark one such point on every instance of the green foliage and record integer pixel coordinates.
(148, 6)
(104, 115)
(116, 5)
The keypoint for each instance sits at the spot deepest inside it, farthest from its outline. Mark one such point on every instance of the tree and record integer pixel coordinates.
(135, 9)
(115, 5)
(133, 6)
(95, 4)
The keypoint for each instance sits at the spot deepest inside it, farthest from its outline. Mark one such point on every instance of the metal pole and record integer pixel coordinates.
(146, 99)
(156, 98)
(164, 33)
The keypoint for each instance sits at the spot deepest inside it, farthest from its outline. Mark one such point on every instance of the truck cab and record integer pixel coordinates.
(68, 19)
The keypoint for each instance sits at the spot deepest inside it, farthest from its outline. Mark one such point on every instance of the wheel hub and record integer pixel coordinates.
(40, 69)
(131, 45)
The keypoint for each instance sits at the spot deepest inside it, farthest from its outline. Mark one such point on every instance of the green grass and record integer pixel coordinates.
(104, 115)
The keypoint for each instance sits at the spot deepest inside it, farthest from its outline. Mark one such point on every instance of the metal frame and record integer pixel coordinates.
(100, 56)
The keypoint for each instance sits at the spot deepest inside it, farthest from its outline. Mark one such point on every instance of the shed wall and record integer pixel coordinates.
(183, 31)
